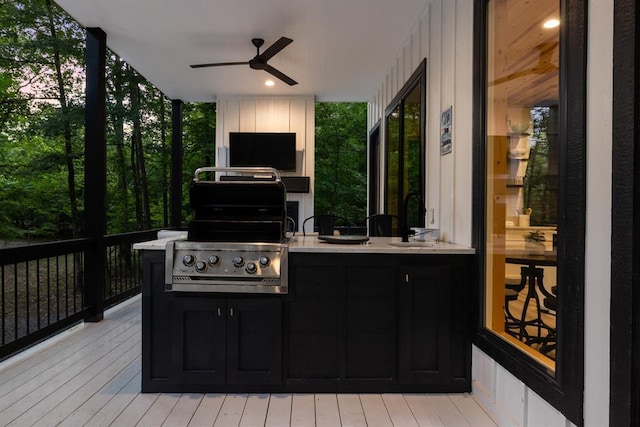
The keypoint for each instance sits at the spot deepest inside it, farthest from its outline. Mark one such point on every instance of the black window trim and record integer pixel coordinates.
(418, 77)
(565, 390)
(624, 406)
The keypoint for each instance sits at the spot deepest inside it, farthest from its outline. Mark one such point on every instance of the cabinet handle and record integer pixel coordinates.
(406, 278)
(231, 312)
(219, 312)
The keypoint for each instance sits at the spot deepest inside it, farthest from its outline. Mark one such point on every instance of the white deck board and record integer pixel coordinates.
(374, 411)
(279, 413)
(351, 412)
(423, 410)
(182, 413)
(255, 411)
(473, 413)
(327, 413)
(231, 411)
(303, 411)
(105, 415)
(207, 411)
(399, 410)
(447, 411)
(91, 377)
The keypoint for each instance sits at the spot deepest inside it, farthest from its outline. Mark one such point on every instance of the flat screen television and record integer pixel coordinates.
(260, 149)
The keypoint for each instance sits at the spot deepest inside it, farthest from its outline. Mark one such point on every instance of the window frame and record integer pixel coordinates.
(418, 77)
(564, 389)
(624, 386)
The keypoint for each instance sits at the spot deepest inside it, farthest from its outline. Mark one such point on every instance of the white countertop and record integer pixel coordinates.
(374, 245)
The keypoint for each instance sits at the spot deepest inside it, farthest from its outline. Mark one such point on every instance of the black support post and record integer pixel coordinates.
(176, 163)
(95, 174)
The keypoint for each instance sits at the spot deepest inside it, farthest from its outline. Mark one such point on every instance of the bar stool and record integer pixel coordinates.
(379, 225)
(513, 286)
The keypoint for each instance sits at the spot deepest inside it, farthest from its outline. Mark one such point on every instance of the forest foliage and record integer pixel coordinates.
(341, 156)
(42, 95)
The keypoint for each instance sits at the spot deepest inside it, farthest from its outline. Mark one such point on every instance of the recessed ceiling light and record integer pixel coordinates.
(551, 23)
(269, 83)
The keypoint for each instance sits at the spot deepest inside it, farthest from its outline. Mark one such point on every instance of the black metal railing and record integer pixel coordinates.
(122, 265)
(41, 291)
(42, 286)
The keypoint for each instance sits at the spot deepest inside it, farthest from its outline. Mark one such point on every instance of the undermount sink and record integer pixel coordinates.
(413, 244)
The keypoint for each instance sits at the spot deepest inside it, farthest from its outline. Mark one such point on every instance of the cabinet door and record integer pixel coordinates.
(254, 338)
(314, 318)
(199, 340)
(370, 345)
(156, 324)
(424, 324)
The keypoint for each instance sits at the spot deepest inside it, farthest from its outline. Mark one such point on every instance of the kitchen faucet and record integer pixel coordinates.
(404, 226)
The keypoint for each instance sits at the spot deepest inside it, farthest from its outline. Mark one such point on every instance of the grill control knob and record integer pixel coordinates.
(264, 261)
(213, 260)
(251, 268)
(238, 261)
(188, 260)
(201, 266)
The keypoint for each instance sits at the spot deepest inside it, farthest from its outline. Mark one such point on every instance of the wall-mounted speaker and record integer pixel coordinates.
(296, 184)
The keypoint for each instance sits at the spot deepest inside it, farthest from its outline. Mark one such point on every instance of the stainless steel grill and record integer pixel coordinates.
(236, 242)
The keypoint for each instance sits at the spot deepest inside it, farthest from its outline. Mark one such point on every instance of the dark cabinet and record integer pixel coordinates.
(226, 340)
(351, 322)
(206, 342)
(370, 325)
(340, 320)
(423, 324)
(313, 319)
(433, 323)
(378, 322)
(199, 335)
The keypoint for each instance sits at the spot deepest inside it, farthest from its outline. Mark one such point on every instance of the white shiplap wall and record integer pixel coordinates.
(272, 114)
(443, 34)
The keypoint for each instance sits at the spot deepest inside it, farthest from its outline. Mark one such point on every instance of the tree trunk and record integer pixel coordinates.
(62, 98)
(143, 211)
(134, 115)
(165, 160)
(121, 167)
(141, 165)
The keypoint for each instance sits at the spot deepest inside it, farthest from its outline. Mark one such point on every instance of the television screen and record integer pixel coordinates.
(276, 150)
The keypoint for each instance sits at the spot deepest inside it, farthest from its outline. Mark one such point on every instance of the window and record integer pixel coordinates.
(405, 147)
(522, 101)
(530, 190)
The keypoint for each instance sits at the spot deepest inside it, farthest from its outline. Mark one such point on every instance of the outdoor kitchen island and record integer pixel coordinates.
(369, 317)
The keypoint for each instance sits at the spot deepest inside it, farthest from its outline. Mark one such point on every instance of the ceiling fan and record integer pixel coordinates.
(259, 62)
(544, 65)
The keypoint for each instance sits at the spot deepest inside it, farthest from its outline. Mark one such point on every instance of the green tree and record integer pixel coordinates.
(41, 96)
(42, 132)
(340, 153)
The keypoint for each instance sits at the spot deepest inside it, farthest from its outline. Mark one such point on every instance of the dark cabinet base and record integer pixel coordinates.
(207, 342)
(350, 323)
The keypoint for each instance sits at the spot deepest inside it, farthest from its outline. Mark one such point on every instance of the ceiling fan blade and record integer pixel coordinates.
(275, 48)
(218, 64)
(288, 80)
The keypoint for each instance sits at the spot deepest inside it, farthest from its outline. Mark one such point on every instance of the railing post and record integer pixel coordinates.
(176, 163)
(95, 174)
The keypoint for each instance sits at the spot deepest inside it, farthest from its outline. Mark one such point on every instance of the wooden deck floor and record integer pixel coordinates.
(91, 376)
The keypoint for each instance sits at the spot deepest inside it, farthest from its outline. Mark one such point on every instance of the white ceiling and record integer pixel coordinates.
(341, 49)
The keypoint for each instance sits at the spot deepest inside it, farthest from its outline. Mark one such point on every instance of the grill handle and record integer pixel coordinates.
(274, 172)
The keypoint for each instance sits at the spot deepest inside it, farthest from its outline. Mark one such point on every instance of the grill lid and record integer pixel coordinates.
(245, 210)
